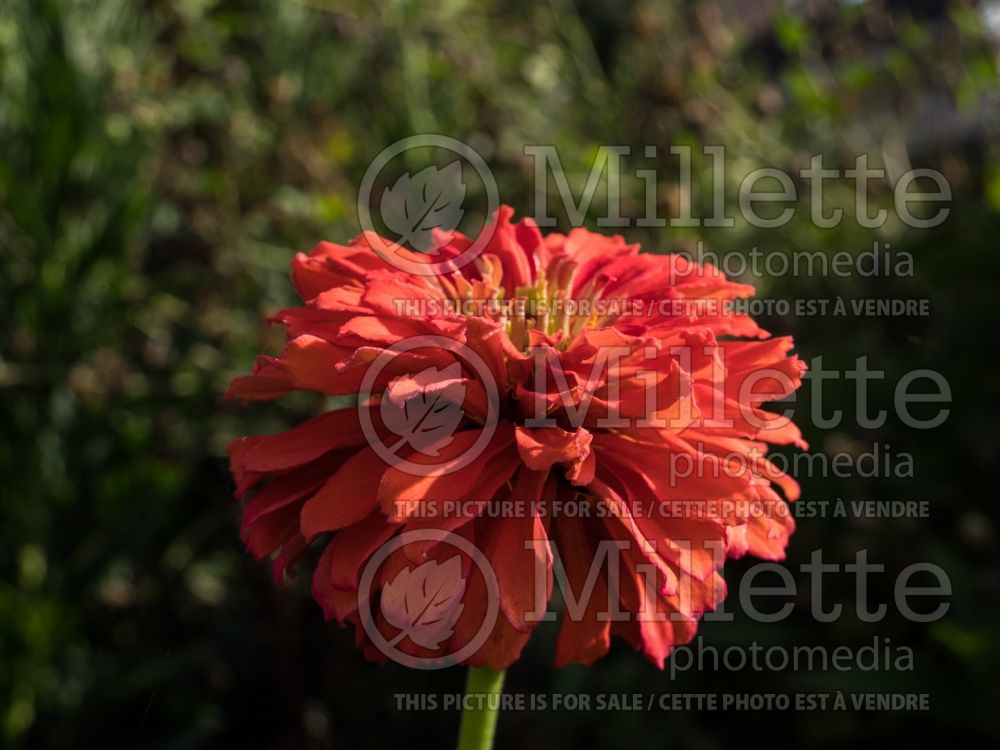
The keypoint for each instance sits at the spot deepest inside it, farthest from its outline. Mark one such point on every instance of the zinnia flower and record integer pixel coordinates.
(615, 396)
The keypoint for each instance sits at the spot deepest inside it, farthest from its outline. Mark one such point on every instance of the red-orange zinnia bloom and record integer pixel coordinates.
(666, 319)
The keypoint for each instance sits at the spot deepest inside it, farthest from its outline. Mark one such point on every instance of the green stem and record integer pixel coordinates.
(478, 725)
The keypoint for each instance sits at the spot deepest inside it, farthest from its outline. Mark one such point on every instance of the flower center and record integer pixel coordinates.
(550, 307)
(547, 307)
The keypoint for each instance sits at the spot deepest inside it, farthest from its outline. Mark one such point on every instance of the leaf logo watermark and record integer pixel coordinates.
(424, 208)
(425, 602)
(417, 205)
(426, 409)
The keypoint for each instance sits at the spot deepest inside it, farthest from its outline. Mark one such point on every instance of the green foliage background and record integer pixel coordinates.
(161, 160)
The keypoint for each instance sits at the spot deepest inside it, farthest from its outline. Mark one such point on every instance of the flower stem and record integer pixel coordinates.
(480, 720)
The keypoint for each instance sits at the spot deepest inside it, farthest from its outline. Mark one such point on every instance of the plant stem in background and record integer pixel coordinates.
(479, 720)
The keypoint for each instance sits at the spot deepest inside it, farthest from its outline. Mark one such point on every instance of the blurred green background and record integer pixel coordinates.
(160, 162)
